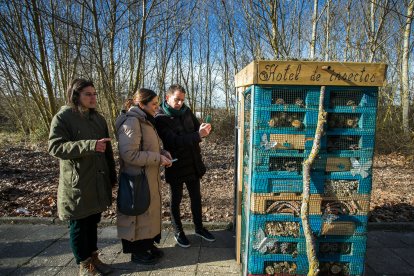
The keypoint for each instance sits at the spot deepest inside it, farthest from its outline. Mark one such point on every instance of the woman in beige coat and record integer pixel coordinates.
(139, 233)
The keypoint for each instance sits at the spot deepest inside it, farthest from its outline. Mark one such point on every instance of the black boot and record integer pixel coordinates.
(156, 252)
(144, 258)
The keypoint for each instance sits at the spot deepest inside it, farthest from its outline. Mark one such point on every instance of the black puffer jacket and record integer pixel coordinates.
(180, 137)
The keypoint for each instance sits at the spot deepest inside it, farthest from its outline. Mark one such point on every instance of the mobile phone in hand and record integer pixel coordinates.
(208, 119)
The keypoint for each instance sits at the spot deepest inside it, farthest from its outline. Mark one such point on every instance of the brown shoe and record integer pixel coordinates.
(86, 268)
(102, 267)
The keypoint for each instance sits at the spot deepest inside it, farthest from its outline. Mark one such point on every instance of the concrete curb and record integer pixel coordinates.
(391, 226)
(372, 226)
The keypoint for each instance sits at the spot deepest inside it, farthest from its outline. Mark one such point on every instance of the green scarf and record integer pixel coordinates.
(173, 112)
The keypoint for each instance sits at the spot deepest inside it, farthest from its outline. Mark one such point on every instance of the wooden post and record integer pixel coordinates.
(304, 211)
(239, 171)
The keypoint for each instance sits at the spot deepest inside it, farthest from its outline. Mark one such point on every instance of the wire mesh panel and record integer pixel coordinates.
(340, 187)
(269, 182)
(292, 96)
(283, 96)
(357, 99)
(286, 164)
(288, 142)
(278, 265)
(343, 225)
(283, 203)
(336, 246)
(346, 184)
(284, 119)
(343, 266)
(343, 120)
(344, 142)
(351, 121)
(356, 205)
(346, 98)
(278, 163)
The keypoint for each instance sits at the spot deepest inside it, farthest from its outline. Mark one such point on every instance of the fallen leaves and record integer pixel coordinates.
(29, 180)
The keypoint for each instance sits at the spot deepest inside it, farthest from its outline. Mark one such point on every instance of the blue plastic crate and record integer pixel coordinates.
(259, 221)
(333, 246)
(357, 163)
(312, 99)
(257, 264)
(284, 140)
(351, 131)
(355, 97)
(271, 183)
(298, 97)
(337, 121)
(359, 223)
(364, 185)
(355, 265)
(278, 164)
(359, 166)
(349, 143)
(293, 247)
(317, 224)
(268, 117)
(362, 152)
(367, 153)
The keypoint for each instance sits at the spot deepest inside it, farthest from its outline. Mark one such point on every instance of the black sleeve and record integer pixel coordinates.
(172, 140)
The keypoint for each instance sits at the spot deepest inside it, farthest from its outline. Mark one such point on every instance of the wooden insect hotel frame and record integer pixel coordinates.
(277, 116)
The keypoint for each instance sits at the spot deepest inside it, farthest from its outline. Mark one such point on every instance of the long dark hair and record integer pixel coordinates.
(143, 96)
(73, 92)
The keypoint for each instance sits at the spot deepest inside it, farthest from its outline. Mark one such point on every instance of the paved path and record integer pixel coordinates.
(39, 249)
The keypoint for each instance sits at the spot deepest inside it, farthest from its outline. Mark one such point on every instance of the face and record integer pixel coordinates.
(176, 100)
(87, 97)
(151, 107)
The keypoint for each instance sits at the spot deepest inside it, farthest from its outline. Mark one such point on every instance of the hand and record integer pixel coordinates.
(101, 144)
(165, 161)
(204, 130)
(167, 154)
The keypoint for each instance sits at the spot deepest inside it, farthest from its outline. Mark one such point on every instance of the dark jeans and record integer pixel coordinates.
(193, 188)
(83, 235)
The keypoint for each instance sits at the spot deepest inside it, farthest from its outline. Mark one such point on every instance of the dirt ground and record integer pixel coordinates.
(29, 180)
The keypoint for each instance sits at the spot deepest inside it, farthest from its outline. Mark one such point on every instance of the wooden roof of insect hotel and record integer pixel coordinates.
(268, 72)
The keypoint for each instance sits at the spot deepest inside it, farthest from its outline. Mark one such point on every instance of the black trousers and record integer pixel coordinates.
(83, 236)
(139, 246)
(193, 188)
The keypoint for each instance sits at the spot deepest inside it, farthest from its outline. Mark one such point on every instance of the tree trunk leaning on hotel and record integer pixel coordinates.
(304, 211)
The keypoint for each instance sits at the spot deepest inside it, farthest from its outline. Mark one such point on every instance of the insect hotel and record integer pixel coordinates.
(306, 133)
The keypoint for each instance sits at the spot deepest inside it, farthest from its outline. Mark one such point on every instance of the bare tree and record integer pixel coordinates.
(374, 24)
(405, 69)
(24, 42)
(314, 26)
(348, 30)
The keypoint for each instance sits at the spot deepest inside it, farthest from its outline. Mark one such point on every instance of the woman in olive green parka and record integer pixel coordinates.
(79, 138)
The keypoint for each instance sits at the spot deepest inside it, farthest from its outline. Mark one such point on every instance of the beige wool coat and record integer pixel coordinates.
(132, 159)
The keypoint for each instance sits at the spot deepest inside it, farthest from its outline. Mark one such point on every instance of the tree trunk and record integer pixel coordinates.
(314, 25)
(405, 68)
(328, 29)
(348, 30)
